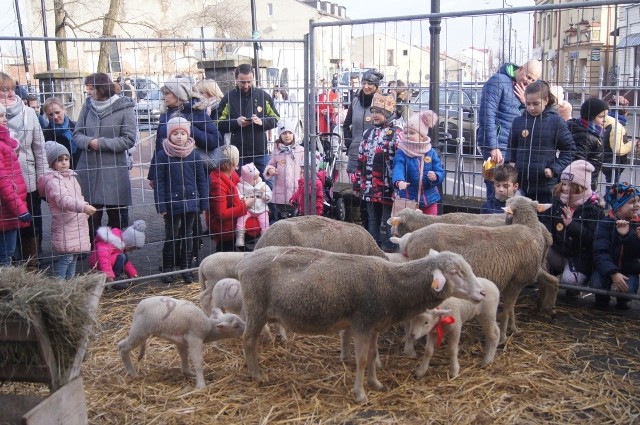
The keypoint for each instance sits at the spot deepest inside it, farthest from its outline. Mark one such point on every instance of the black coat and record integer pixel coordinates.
(614, 253)
(588, 147)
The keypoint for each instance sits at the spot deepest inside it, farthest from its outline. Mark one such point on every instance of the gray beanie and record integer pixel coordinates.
(54, 151)
(180, 87)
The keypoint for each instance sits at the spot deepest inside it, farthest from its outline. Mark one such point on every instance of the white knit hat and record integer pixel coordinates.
(180, 87)
(134, 235)
(287, 124)
(176, 123)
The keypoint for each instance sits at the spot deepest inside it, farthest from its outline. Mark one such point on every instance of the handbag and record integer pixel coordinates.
(401, 203)
(208, 158)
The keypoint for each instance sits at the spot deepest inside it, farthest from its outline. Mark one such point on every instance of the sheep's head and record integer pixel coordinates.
(424, 323)
(522, 210)
(227, 325)
(399, 222)
(461, 282)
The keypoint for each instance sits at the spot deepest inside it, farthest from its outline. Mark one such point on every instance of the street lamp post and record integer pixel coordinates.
(254, 35)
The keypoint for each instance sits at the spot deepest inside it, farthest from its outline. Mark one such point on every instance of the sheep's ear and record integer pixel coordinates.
(438, 280)
(543, 207)
(216, 313)
(442, 312)
(395, 240)
(433, 252)
(394, 221)
(507, 210)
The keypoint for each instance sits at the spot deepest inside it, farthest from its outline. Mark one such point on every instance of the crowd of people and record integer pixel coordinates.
(211, 161)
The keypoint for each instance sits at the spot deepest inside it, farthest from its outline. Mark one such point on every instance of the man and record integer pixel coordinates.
(248, 113)
(33, 103)
(353, 91)
(501, 102)
(128, 90)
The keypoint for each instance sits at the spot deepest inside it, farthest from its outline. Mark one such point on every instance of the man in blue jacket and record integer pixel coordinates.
(501, 102)
(247, 113)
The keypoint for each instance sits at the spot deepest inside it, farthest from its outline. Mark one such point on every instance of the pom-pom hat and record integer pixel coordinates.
(420, 123)
(176, 123)
(620, 194)
(249, 172)
(134, 235)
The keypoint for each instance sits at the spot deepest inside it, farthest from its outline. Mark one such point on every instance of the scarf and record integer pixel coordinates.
(287, 149)
(16, 117)
(365, 99)
(592, 128)
(413, 149)
(573, 200)
(620, 117)
(178, 151)
(65, 130)
(103, 105)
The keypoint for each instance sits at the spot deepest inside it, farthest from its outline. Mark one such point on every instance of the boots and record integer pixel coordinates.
(29, 249)
(240, 237)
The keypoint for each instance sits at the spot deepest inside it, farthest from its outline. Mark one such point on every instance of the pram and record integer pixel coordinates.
(334, 163)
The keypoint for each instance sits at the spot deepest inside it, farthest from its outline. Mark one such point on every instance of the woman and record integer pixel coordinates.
(211, 96)
(60, 128)
(104, 132)
(179, 100)
(24, 126)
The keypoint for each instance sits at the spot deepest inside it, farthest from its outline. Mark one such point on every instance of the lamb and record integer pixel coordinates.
(409, 220)
(227, 296)
(462, 311)
(315, 231)
(511, 256)
(291, 285)
(218, 266)
(182, 323)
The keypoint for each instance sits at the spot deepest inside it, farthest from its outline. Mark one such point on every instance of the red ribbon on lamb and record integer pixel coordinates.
(439, 327)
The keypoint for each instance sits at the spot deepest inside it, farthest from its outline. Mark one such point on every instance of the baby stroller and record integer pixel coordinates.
(333, 162)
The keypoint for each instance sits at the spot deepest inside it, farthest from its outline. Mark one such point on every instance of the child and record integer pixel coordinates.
(505, 182)
(69, 211)
(283, 168)
(574, 216)
(14, 213)
(587, 134)
(617, 145)
(109, 254)
(415, 151)
(297, 199)
(181, 191)
(374, 172)
(534, 140)
(616, 247)
(252, 186)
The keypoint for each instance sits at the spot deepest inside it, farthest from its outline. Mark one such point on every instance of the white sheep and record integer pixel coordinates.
(218, 266)
(462, 311)
(511, 256)
(227, 296)
(317, 292)
(409, 220)
(182, 323)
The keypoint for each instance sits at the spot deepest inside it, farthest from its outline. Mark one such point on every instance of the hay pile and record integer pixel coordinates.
(582, 368)
(61, 306)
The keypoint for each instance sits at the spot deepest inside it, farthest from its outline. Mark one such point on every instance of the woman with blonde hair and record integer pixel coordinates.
(210, 97)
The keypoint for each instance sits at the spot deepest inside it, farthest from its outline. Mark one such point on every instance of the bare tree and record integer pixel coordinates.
(60, 15)
(108, 25)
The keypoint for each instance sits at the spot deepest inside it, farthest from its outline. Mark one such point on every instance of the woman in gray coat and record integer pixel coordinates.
(105, 131)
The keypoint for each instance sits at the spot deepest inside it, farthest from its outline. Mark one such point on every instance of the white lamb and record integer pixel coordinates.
(182, 323)
(408, 220)
(462, 311)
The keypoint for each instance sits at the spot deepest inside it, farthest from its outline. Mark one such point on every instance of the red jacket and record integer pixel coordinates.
(326, 110)
(225, 205)
(108, 245)
(298, 197)
(13, 189)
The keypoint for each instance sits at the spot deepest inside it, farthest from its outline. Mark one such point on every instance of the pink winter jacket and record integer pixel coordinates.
(109, 245)
(287, 163)
(69, 225)
(13, 189)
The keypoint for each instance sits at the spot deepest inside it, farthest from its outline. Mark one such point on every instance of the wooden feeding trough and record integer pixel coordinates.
(31, 351)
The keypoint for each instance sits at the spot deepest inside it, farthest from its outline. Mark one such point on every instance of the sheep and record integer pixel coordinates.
(462, 311)
(511, 256)
(227, 296)
(314, 231)
(291, 285)
(182, 323)
(218, 266)
(409, 220)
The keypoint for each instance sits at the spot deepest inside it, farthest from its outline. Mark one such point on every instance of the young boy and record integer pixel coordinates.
(505, 180)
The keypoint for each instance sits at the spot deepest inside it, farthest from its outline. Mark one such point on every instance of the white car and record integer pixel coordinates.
(148, 110)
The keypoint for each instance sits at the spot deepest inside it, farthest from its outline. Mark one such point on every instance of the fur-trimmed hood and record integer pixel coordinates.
(112, 236)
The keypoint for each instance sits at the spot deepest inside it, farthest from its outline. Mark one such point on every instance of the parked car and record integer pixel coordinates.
(148, 109)
(451, 98)
(143, 86)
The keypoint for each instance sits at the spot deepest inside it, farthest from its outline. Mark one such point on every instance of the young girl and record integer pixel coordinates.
(225, 205)
(283, 168)
(534, 140)
(575, 214)
(415, 151)
(297, 199)
(616, 248)
(181, 191)
(109, 253)
(252, 186)
(69, 211)
(14, 213)
(587, 133)
(375, 165)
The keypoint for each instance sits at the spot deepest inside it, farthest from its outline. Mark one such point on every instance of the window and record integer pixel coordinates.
(405, 52)
(390, 57)
(555, 23)
(270, 9)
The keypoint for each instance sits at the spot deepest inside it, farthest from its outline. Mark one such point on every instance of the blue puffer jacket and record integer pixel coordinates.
(498, 107)
(533, 144)
(182, 184)
(609, 246)
(406, 169)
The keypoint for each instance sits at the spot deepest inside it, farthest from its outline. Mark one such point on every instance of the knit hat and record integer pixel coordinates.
(180, 87)
(420, 123)
(54, 151)
(249, 172)
(591, 108)
(620, 194)
(373, 76)
(176, 123)
(224, 154)
(134, 235)
(578, 172)
(385, 103)
(287, 124)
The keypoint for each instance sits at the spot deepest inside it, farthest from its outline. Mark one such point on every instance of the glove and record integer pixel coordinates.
(25, 217)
